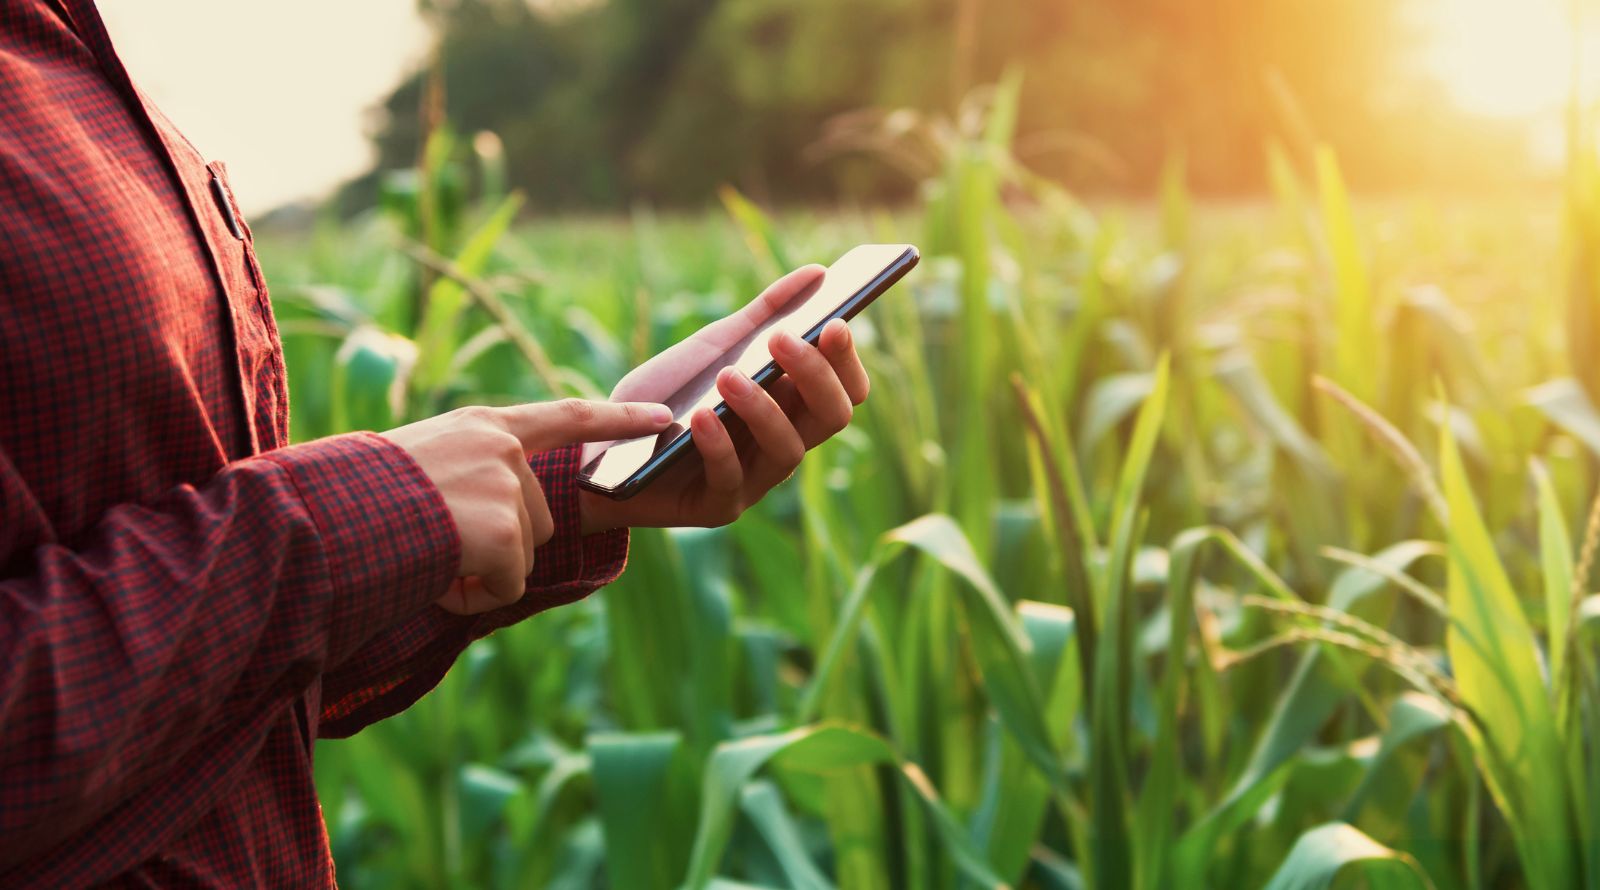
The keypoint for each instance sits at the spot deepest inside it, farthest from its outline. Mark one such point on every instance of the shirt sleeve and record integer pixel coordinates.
(202, 610)
(398, 667)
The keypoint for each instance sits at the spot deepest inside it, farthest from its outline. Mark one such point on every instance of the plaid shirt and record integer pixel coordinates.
(186, 602)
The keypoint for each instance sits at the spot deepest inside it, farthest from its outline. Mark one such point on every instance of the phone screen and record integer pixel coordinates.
(847, 286)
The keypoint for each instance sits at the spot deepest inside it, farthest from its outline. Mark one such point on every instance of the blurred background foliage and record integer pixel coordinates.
(603, 103)
(1184, 543)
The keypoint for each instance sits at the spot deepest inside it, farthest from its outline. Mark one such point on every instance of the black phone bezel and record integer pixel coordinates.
(763, 378)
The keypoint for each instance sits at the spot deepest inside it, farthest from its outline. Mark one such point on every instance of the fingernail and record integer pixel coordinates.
(660, 414)
(843, 327)
(786, 342)
(739, 382)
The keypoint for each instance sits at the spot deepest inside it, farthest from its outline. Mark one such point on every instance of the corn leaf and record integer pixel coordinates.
(1569, 407)
(1112, 862)
(645, 804)
(760, 235)
(818, 749)
(1355, 312)
(1500, 680)
(1412, 717)
(1001, 647)
(1326, 852)
(1317, 687)
(762, 802)
(438, 334)
(1555, 558)
(369, 380)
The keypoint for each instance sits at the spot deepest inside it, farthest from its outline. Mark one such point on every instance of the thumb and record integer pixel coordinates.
(542, 426)
(803, 281)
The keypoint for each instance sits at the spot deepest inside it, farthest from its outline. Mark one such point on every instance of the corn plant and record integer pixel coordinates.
(1177, 547)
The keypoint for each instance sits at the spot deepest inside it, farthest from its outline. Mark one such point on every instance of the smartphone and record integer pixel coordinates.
(626, 467)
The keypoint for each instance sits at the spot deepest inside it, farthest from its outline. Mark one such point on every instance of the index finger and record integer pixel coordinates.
(541, 426)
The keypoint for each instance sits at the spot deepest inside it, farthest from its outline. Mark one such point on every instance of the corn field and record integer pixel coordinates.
(1180, 545)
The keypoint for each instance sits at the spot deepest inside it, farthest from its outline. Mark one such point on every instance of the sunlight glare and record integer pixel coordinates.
(1506, 57)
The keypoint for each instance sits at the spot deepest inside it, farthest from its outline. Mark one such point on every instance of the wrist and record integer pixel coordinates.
(596, 514)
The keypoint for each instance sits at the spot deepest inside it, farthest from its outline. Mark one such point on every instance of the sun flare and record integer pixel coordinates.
(1506, 57)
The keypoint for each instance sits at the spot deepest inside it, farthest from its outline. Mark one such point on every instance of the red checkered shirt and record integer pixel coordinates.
(187, 602)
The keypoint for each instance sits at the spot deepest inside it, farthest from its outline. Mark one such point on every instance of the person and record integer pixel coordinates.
(187, 601)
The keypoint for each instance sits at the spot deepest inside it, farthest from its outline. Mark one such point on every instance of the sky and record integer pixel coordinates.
(281, 89)
(277, 89)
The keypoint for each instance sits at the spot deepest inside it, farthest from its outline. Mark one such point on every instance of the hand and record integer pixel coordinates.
(812, 401)
(478, 459)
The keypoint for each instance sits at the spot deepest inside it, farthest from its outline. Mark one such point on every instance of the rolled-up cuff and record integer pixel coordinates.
(571, 564)
(388, 537)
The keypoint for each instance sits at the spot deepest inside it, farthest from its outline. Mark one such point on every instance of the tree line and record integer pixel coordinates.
(603, 102)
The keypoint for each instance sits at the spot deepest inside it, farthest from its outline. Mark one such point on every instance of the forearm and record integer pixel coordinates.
(200, 612)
